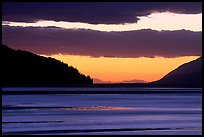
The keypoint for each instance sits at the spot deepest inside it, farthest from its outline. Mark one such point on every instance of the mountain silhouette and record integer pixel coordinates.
(25, 68)
(133, 81)
(97, 81)
(188, 74)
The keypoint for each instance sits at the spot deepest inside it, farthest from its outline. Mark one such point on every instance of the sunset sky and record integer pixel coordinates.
(108, 41)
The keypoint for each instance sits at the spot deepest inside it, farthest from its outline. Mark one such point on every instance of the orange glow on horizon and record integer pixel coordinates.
(121, 69)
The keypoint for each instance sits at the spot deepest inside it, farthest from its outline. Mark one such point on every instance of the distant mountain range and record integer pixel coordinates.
(188, 74)
(20, 67)
(98, 81)
(95, 80)
(134, 81)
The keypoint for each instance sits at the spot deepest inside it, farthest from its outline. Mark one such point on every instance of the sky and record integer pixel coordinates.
(108, 41)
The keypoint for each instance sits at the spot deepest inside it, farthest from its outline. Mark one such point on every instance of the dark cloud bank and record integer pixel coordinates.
(92, 12)
(137, 43)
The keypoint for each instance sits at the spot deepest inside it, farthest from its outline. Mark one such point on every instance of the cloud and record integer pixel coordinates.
(155, 21)
(92, 12)
(137, 43)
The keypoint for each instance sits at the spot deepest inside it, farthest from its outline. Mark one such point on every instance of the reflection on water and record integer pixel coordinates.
(99, 108)
(69, 107)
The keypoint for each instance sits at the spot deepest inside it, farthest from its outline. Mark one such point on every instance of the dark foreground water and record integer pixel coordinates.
(99, 114)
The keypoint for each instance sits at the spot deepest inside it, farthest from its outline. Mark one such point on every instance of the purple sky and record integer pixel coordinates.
(137, 43)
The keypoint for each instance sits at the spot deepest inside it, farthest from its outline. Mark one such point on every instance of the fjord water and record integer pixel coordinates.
(176, 113)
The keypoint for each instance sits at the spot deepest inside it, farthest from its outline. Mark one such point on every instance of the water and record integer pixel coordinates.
(101, 114)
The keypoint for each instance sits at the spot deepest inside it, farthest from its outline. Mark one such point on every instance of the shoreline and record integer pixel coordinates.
(98, 90)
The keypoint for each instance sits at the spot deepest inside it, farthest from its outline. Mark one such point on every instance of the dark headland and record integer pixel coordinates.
(187, 75)
(22, 68)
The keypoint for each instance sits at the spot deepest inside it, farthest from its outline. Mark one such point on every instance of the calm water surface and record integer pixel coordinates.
(160, 114)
